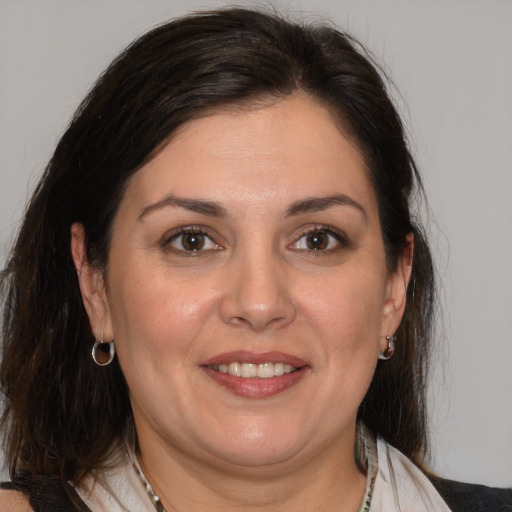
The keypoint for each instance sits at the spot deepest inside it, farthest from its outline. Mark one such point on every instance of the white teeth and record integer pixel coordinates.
(265, 371)
(235, 369)
(253, 371)
(249, 370)
(278, 369)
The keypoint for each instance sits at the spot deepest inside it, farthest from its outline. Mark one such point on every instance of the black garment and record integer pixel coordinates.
(461, 497)
(49, 494)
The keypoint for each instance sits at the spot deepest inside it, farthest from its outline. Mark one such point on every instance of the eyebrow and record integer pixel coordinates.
(202, 206)
(317, 204)
(214, 209)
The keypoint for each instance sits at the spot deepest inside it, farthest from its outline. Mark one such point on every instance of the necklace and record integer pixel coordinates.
(153, 497)
(366, 455)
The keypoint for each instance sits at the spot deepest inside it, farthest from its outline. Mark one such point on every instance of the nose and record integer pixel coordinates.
(257, 294)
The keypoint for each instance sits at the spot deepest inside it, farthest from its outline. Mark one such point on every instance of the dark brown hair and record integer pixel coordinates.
(63, 414)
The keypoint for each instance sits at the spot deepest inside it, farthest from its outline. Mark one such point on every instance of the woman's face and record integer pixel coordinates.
(251, 244)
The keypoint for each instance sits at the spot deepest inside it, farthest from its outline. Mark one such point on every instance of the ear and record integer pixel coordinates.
(92, 286)
(396, 292)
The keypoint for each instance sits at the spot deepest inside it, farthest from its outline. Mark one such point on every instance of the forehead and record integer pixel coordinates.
(275, 153)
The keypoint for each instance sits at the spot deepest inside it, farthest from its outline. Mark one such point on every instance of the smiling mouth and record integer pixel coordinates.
(254, 371)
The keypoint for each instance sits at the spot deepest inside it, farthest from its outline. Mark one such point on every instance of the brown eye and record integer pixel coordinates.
(192, 241)
(321, 240)
(317, 241)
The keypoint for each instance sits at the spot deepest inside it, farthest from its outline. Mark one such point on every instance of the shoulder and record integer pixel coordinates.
(457, 496)
(13, 501)
(472, 497)
(29, 493)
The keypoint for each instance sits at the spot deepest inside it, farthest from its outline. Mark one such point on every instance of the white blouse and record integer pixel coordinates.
(394, 484)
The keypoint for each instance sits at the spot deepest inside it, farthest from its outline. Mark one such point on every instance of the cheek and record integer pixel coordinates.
(343, 315)
(346, 303)
(152, 311)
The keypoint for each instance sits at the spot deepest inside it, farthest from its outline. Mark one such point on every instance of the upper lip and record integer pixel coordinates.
(244, 356)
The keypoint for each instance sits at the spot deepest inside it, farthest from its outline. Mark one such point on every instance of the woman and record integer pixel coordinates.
(202, 304)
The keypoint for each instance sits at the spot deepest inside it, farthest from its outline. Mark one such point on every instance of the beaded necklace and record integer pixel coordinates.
(157, 503)
(366, 456)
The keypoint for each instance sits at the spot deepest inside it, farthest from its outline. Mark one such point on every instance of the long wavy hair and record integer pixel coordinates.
(62, 414)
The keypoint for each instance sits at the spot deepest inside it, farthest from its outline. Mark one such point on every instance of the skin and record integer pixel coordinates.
(13, 501)
(255, 286)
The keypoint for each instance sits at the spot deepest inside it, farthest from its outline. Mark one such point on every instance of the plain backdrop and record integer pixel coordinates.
(451, 63)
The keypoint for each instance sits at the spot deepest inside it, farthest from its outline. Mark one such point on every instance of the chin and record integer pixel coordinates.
(253, 448)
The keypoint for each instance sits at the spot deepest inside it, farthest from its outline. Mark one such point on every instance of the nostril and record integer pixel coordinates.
(236, 320)
(256, 304)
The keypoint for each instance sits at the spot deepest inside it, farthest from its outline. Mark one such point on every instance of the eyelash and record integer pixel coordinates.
(188, 230)
(339, 237)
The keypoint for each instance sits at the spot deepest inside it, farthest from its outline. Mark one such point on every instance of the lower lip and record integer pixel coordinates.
(256, 388)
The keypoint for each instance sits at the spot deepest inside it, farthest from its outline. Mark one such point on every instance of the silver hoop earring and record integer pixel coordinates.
(390, 349)
(103, 352)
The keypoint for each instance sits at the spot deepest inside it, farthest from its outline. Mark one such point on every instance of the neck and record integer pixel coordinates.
(329, 481)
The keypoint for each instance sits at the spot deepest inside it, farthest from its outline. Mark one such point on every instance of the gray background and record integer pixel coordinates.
(451, 61)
